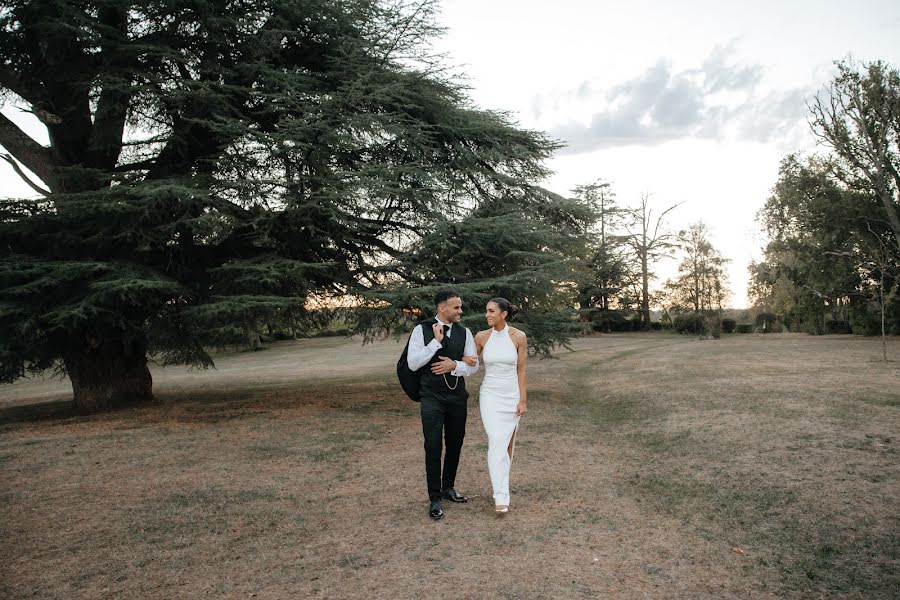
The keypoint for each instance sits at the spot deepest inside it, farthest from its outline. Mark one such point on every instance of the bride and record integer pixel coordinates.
(503, 350)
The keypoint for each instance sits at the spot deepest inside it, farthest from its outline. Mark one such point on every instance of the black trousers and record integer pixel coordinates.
(442, 416)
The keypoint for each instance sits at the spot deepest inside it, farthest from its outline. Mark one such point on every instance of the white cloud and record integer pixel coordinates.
(719, 100)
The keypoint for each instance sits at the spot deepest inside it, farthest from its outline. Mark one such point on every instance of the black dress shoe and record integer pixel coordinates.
(453, 495)
(436, 512)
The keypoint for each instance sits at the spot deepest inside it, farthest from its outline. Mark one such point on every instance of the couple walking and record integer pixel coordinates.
(446, 353)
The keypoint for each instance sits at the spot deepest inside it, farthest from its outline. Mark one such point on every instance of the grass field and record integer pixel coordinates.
(648, 466)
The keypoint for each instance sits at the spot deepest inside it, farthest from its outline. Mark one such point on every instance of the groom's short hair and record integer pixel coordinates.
(444, 295)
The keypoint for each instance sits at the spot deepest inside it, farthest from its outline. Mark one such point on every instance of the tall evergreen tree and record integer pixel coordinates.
(527, 247)
(608, 265)
(213, 164)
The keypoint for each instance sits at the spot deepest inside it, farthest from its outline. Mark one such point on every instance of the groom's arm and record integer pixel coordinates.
(419, 354)
(462, 369)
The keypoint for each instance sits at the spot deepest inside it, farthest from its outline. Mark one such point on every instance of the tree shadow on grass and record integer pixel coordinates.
(42, 411)
(357, 394)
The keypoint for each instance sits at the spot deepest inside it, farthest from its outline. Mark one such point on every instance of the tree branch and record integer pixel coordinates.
(105, 144)
(34, 156)
(8, 158)
(877, 147)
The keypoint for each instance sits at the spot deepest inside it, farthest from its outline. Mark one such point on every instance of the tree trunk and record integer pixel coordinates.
(109, 372)
(252, 335)
(883, 334)
(645, 293)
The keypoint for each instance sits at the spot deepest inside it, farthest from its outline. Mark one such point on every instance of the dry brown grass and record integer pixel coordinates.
(648, 466)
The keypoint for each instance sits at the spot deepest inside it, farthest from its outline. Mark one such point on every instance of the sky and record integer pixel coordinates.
(693, 102)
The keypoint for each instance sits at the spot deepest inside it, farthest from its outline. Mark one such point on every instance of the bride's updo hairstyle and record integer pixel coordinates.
(511, 310)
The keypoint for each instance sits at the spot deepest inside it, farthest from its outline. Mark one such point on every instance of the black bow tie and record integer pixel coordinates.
(446, 329)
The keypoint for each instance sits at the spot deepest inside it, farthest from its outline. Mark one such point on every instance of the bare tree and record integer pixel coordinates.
(649, 240)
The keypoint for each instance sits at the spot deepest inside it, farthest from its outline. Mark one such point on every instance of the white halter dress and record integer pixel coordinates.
(498, 399)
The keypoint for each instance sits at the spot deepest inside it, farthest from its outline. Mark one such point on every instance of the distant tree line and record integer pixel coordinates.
(626, 247)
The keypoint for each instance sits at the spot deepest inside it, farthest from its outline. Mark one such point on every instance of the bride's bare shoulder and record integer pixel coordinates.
(482, 334)
(516, 332)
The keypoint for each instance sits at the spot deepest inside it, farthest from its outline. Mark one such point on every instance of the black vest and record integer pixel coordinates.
(454, 347)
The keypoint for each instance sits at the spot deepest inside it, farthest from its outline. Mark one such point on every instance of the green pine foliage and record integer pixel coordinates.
(528, 248)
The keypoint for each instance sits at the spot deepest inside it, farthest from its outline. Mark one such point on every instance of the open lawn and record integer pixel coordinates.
(648, 466)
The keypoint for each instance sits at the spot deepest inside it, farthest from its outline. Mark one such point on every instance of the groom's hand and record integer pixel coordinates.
(438, 332)
(444, 366)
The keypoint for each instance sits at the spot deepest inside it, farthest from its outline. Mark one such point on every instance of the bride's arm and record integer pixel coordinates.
(472, 358)
(480, 338)
(522, 348)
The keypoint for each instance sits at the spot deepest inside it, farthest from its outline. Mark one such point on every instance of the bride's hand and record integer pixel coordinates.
(470, 360)
(521, 409)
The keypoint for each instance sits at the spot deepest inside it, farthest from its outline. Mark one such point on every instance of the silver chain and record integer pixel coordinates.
(448, 383)
(455, 384)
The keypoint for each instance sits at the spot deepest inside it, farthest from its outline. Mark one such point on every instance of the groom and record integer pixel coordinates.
(437, 346)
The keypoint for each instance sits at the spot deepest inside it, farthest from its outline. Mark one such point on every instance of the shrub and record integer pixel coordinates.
(655, 325)
(744, 328)
(838, 327)
(609, 320)
(812, 326)
(765, 321)
(866, 323)
(281, 335)
(728, 325)
(714, 327)
(693, 323)
(865, 318)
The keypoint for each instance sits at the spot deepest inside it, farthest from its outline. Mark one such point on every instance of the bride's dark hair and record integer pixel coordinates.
(511, 309)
